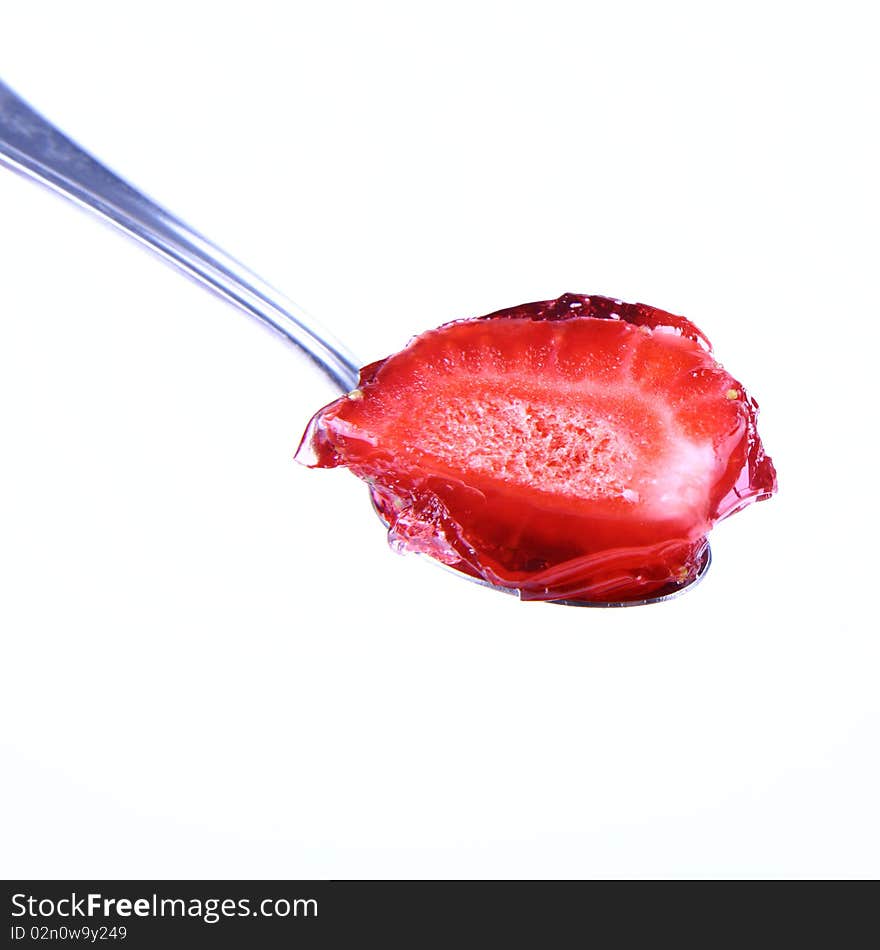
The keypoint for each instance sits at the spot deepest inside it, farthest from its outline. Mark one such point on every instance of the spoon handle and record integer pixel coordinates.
(35, 148)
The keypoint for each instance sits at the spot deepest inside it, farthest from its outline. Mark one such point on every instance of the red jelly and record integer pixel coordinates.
(578, 448)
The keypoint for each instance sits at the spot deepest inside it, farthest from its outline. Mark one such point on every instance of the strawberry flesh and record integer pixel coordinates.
(579, 448)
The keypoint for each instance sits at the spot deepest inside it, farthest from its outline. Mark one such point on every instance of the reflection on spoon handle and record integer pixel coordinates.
(34, 147)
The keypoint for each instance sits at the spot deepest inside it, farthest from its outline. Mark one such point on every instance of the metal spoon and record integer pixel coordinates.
(35, 148)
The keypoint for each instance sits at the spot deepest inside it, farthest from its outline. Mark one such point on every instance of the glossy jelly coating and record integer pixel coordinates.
(578, 448)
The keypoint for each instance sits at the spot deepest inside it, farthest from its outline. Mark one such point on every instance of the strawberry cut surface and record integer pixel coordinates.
(579, 448)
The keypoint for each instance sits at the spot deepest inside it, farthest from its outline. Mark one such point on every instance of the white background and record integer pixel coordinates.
(211, 663)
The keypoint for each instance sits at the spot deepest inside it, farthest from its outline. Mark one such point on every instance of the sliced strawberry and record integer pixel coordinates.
(579, 448)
